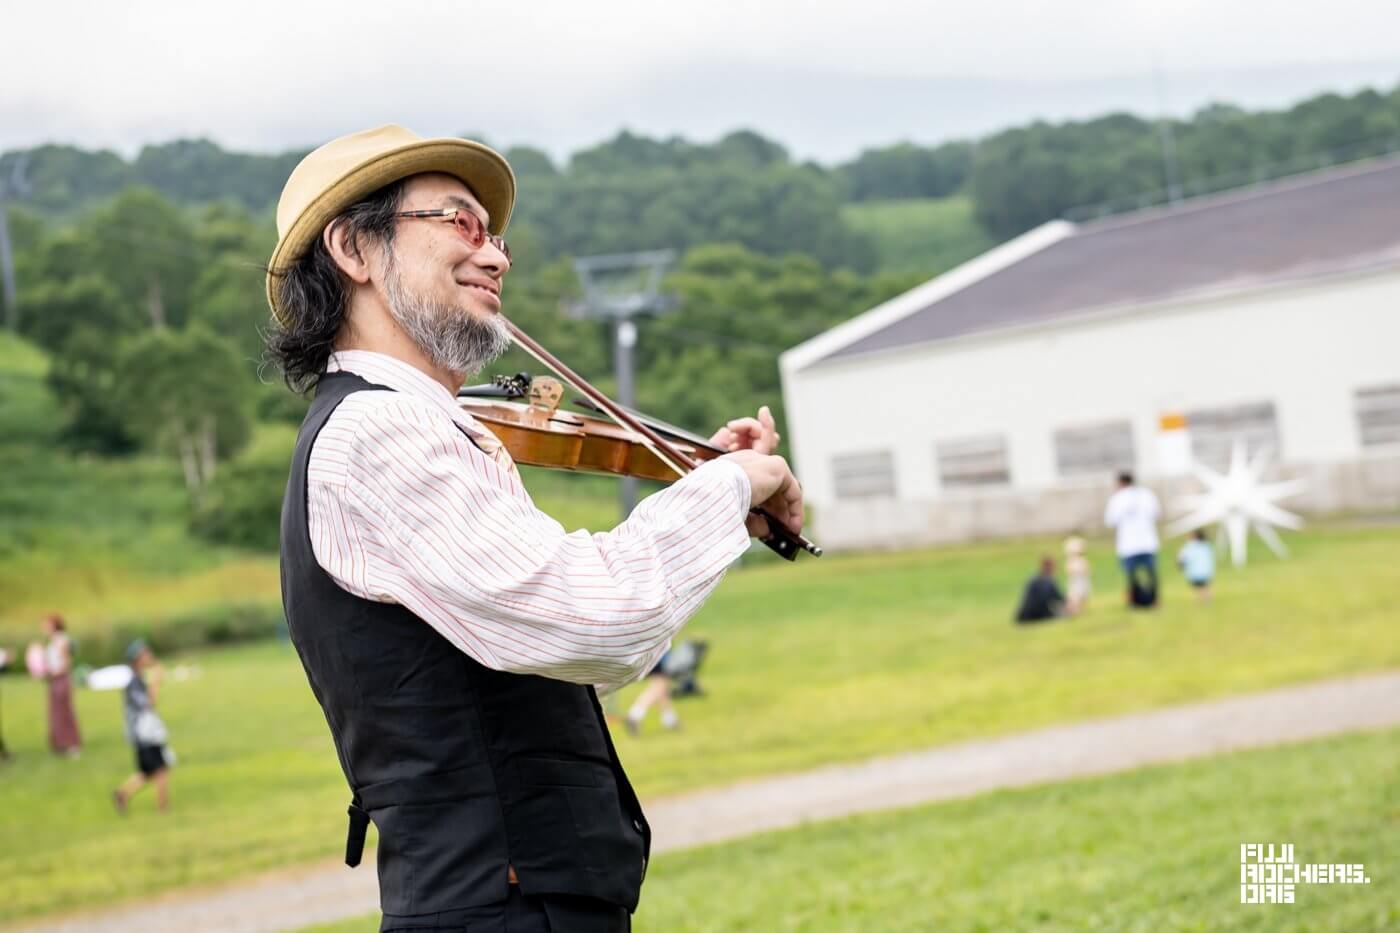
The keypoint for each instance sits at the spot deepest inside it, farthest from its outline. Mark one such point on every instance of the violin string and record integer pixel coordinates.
(524, 342)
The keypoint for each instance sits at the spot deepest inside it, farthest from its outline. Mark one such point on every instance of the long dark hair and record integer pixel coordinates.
(314, 294)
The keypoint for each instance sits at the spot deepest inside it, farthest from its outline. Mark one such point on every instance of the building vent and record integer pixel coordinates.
(973, 461)
(868, 475)
(1102, 449)
(1214, 432)
(1378, 415)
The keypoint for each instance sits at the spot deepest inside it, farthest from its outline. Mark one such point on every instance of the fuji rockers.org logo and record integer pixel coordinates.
(1269, 874)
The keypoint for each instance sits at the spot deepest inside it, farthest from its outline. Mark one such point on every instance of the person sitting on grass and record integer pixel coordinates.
(145, 730)
(1041, 599)
(1197, 561)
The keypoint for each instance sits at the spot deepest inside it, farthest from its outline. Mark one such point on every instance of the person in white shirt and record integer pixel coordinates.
(1133, 512)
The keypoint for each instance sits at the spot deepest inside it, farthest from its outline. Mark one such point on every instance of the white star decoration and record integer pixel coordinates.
(1239, 501)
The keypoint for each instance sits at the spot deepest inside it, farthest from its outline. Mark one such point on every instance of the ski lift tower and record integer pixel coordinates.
(11, 186)
(618, 288)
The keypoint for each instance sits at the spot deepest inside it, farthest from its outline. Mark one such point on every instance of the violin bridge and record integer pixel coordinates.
(545, 393)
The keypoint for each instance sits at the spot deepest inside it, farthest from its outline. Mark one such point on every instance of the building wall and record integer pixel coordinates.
(1306, 348)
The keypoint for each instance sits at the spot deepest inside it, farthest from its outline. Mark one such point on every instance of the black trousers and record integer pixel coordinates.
(555, 913)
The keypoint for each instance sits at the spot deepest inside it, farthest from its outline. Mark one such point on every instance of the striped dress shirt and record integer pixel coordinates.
(412, 501)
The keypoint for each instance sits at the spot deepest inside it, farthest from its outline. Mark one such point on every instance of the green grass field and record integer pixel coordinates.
(923, 236)
(1152, 850)
(823, 661)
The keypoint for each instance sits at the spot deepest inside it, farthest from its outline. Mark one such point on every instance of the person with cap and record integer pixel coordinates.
(145, 730)
(453, 634)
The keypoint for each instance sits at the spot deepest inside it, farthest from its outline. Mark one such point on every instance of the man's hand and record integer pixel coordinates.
(758, 434)
(772, 487)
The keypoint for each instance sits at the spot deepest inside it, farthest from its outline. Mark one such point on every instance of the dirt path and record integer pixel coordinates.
(290, 899)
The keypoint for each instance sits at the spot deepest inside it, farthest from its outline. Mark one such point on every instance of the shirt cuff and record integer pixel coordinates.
(737, 479)
(737, 541)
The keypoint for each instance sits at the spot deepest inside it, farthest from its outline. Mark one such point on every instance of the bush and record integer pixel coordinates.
(211, 625)
(242, 507)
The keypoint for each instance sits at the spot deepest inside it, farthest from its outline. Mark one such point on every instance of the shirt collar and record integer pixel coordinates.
(392, 373)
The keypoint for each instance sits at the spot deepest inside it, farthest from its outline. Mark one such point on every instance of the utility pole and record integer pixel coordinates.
(1170, 169)
(618, 288)
(7, 266)
(12, 186)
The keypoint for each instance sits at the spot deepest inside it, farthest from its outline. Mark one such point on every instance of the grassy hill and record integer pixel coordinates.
(99, 540)
(920, 236)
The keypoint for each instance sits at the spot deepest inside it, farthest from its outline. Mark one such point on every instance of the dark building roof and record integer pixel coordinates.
(1324, 222)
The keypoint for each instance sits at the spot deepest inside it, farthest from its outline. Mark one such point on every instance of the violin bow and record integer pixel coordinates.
(782, 539)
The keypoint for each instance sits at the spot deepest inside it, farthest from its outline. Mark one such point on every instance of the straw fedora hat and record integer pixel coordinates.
(344, 170)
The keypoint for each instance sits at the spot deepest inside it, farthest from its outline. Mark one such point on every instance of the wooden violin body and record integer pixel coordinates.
(564, 440)
(536, 433)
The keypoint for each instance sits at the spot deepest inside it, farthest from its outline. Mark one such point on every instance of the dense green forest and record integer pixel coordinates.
(141, 280)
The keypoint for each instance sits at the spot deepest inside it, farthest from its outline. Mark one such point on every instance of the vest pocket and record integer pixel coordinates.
(441, 855)
(570, 833)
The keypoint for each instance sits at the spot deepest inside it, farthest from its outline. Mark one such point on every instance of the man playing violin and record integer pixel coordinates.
(451, 631)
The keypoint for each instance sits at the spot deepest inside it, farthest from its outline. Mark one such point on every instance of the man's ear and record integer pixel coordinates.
(346, 252)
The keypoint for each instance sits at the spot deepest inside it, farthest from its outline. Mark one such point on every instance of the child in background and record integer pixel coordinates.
(145, 730)
(1078, 585)
(1197, 560)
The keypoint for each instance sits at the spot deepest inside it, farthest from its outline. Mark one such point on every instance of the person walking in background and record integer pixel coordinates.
(657, 692)
(4, 752)
(144, 729)
(1078, 584)
(1041, 599)
(1197, 561)
(1133, 512)
(58, 671)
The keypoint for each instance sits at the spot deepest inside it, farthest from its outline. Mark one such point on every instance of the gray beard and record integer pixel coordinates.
(452, 338)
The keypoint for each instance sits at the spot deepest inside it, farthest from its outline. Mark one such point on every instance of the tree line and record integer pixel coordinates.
(635, 192)
(143, 279)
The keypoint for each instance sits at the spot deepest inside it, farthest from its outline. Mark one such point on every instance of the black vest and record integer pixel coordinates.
(463, 769)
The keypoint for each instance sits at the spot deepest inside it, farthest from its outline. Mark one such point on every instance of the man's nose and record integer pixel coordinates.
(491, 258)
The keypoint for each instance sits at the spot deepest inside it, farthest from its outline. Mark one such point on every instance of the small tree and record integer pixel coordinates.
(184, 392)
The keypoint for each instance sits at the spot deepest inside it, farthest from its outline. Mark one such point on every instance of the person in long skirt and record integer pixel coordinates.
(64, 738)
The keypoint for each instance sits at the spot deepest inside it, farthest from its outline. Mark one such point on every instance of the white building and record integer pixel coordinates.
(1001, 397)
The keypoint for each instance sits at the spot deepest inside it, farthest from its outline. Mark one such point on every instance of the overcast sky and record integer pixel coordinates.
(561, 75)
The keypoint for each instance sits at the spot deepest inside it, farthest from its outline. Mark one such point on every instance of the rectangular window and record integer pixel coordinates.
(1214, 431)
(867, 475)
(1378, 415)
(973, 461)
(1094, 449)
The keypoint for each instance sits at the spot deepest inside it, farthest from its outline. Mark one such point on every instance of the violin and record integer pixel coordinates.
(523, 413)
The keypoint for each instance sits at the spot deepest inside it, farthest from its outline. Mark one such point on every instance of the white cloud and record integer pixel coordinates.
(268, 75)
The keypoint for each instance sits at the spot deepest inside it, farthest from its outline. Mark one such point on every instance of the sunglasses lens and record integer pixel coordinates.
(469, 226)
